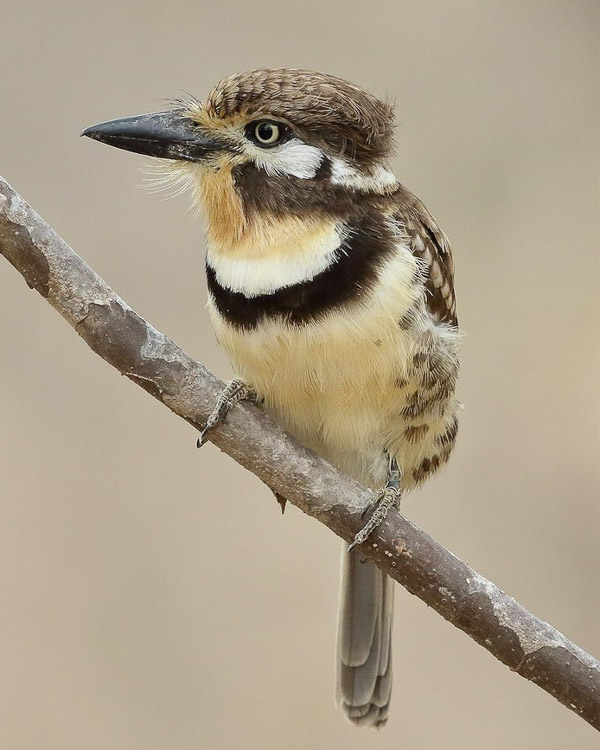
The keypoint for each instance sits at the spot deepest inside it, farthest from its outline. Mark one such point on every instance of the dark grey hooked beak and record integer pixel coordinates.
(167, 135)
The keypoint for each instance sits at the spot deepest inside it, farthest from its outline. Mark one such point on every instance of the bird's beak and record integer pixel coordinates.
(167, 135)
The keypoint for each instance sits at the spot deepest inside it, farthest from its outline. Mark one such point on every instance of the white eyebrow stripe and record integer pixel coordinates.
(377, 180)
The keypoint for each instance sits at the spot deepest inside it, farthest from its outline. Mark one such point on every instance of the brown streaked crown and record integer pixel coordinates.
(350, 121)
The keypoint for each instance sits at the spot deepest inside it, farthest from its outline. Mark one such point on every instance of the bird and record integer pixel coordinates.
(331, 288)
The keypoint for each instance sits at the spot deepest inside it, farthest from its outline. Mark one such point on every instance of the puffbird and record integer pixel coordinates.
(330, 286)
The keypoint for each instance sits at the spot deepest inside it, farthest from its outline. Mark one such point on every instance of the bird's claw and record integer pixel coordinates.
(232, 393)
(387, 497)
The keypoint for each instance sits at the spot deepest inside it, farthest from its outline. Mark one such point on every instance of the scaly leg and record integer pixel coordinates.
(230, 395)
(387, 497)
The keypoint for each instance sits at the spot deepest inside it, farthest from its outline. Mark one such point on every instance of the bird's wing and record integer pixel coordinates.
(430, 244)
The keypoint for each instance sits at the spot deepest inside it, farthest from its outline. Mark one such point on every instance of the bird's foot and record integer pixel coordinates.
(230, 395)
(387, 497)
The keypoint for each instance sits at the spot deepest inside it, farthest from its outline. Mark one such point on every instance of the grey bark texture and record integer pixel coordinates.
(527, 645)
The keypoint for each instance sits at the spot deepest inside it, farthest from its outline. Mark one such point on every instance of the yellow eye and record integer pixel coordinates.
(266, 133)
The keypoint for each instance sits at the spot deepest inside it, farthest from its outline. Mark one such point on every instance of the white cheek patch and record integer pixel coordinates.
(377, 180)
(294, 158)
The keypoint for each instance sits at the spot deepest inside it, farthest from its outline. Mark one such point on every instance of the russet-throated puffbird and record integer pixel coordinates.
(331, 289)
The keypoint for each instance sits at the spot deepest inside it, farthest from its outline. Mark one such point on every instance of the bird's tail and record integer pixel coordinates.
(364, 650)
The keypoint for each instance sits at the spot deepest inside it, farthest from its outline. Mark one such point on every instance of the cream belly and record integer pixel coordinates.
(332, 392)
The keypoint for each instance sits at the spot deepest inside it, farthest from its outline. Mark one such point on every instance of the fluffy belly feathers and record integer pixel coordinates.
(358, 381)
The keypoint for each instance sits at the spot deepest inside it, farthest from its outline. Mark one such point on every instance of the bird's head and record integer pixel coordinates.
(271, 152)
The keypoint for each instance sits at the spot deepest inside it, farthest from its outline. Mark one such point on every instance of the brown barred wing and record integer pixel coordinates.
(430, 244)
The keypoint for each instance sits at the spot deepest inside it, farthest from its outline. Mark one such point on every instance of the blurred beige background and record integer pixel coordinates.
(129, 618)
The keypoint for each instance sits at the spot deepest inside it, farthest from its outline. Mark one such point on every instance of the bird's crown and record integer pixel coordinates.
(347, 120)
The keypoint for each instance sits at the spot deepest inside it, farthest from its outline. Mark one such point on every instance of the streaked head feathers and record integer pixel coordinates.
(347, 120)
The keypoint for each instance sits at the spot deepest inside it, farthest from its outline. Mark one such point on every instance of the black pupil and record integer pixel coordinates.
(265, 131)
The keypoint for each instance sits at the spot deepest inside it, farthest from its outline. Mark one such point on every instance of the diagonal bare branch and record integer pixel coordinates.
(529, 646)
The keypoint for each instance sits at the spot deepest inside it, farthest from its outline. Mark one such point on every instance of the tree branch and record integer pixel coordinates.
(113, 330)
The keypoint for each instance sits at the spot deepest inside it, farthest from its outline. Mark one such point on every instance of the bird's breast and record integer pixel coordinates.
(332, 378)
(338, 343)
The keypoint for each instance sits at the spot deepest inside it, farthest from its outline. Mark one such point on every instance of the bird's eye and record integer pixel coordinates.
(265, 133)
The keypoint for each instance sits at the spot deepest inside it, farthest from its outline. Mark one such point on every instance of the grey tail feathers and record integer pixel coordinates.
(364, 650)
